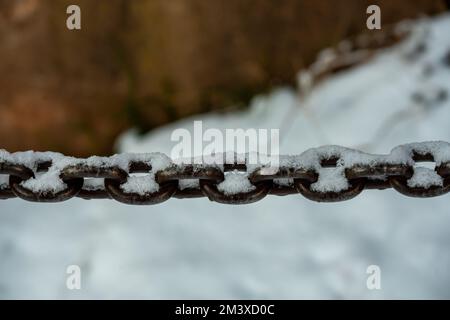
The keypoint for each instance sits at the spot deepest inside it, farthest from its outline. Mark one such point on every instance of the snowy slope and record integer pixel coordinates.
(280, 247)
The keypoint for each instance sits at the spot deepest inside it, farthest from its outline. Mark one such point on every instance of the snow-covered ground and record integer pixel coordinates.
(280, 247)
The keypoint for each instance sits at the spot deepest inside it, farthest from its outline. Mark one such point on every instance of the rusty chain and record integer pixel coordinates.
(325, 174)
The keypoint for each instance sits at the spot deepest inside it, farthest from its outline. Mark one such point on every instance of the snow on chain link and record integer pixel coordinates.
(235, 182)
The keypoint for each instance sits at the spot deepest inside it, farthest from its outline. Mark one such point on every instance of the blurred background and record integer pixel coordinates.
(138, 70)
(146, 63)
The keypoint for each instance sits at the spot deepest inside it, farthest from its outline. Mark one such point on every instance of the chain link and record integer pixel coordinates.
(356, 171)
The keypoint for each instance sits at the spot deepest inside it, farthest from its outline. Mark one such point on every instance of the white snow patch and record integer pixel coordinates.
(439, 149)
(330, 180)
(141, 184)
(188, 184)
(93, 184)
(235, 182)
(425, 178)
(4, 181)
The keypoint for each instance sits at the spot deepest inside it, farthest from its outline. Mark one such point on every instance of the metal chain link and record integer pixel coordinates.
(382, 172)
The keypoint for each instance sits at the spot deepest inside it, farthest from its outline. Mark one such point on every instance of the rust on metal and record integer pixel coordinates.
(171, 181)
